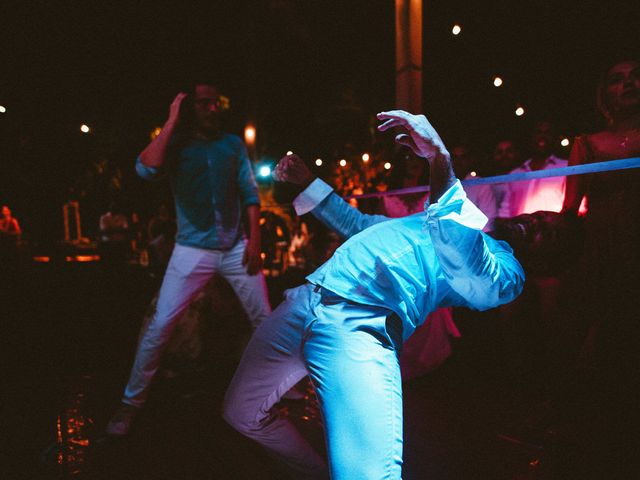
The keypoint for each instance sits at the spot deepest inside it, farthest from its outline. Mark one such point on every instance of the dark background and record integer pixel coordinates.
(309, 74)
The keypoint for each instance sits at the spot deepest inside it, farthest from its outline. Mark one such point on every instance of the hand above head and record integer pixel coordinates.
(292, 169)
(416, 133)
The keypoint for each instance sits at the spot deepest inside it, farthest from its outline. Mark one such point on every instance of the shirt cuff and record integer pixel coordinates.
(454, 205)
(311, 196)
(147, 173)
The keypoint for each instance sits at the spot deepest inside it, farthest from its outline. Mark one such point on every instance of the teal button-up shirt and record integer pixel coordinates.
(416, 264)
(212, 181)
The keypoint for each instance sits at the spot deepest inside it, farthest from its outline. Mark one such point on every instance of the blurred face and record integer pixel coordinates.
(461, 160)
(6, 212)
(414, 166)
(543, 138)
(622, 89)
(206, 106)
(504, 156)
(540, 239)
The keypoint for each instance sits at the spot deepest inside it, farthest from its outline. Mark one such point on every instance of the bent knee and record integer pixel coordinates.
(236, 416)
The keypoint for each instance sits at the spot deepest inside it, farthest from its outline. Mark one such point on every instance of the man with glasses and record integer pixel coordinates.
(212, 182)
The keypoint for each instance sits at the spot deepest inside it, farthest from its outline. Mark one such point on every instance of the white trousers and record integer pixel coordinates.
(188, 272)
(350, 351)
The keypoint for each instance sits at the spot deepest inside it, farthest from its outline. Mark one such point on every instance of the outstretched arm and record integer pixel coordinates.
(319, 199)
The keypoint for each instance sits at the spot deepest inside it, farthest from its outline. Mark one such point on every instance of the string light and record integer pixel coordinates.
(84, 128)
(456, 29)
(343, 163)
(264, 171)
(564, 142)
(497, 81)
(3, 109)
(289, 152)
(249, 134)
(155, 132)
(365, 157)
(319, 162)
(519, 111)
(387, 166)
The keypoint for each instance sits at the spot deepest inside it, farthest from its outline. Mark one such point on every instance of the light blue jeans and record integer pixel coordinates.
(188, 272)
(350, 352)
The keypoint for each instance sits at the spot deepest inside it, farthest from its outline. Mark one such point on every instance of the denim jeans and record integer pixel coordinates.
(350, 352)
(188, 272)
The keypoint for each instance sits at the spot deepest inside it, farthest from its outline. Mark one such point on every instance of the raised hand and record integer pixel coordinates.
(292, 169)
(416, 133)
(174, 108)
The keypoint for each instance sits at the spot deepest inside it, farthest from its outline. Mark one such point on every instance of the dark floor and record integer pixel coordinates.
(68, 332)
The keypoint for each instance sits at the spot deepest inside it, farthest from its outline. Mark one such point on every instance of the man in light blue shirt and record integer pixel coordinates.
(212, 183)
(345, 327)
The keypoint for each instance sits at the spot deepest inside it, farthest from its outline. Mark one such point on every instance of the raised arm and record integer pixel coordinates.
(319, 199)
(419, 135)
(154, 156)
(480, 269)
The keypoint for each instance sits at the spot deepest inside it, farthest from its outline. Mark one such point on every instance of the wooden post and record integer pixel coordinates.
(409, 55)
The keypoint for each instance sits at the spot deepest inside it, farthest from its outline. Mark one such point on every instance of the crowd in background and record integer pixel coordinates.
(565, 317)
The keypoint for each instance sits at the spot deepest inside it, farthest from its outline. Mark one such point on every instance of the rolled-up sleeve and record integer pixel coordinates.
(482, 270)
(146, 173)
(246, 179)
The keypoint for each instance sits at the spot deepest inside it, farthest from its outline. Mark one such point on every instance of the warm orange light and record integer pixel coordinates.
(155, 132)
(82, 442)
(42, 259)
(249, 134)
(82, 258)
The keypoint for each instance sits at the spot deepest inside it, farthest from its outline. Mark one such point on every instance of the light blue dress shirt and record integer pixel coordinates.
(416, 264)
(212, 181)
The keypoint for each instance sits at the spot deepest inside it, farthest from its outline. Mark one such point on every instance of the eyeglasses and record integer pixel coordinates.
(221, 103)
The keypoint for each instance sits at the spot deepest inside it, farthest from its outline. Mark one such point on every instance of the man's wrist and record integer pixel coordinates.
(170, 124)
(307, 181)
